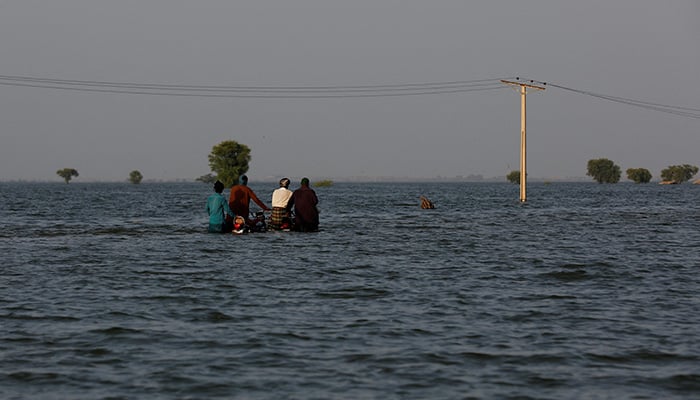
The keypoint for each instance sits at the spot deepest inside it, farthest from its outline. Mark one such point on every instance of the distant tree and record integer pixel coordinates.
(208, 178)
(513, 177)
(604, 171)
(67, 174)
(679, 173)
(639, 175)
(324, 183)
(135, 177)
(229, 159)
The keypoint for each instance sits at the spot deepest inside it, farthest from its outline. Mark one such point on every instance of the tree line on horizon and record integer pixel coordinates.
(229, 160)
(603, 170)
(67, 174)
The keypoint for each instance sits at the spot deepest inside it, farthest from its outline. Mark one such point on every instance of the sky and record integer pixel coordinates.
(644, 50)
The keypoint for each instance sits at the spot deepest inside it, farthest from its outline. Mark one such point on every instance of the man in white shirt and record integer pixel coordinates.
(280, 197)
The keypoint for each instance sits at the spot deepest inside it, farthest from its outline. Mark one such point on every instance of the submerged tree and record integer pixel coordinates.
(513, 177)
(679, 173)
(229, 159)
(135, 177)
(324, 183)
(639, 175)
(603, 171)
(67, 173)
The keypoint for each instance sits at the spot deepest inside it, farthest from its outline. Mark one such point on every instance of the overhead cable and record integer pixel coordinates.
(406, 89)
(670, 109)
(313, 92)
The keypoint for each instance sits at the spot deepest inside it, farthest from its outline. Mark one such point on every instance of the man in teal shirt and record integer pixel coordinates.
(217, 208)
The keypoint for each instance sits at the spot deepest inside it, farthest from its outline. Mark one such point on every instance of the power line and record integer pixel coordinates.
(261, 96)
(669, 109)
(212, 87)
(336, 91)
(313, 91)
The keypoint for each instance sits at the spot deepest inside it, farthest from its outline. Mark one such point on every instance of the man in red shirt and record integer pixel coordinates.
(239, 199)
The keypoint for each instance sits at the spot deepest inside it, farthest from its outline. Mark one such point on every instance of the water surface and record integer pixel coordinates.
(111, 291)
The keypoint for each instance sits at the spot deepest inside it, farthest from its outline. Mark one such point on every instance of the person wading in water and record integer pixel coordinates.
(304, 201)
(280, 198)
(239, 199)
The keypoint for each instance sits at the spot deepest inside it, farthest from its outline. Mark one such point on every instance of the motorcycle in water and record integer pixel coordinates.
(257, 224)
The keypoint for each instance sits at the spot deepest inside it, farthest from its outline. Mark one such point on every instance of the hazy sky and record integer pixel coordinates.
(640, 49)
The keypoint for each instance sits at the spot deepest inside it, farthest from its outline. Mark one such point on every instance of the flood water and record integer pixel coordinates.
(587, 291)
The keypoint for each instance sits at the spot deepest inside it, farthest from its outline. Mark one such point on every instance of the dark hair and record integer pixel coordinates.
(305, 182)
(218, 187)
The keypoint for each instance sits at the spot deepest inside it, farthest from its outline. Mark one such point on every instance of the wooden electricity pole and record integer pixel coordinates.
(523, 134)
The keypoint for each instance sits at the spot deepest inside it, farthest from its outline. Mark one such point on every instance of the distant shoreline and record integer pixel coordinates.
(335, 180)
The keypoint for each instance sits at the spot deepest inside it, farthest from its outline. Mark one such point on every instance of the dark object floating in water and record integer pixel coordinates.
(425, 203)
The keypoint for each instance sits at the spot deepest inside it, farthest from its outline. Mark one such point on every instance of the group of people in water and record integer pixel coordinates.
(225, 215)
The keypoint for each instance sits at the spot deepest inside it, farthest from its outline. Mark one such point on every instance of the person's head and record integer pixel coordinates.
(284, 182)
(304, 181)
(218, 187)
(243, 180)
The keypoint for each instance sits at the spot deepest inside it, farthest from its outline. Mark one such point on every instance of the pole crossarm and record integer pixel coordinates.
(522, 84)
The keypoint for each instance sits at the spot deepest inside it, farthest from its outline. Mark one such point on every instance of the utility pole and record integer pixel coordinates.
(523, 134)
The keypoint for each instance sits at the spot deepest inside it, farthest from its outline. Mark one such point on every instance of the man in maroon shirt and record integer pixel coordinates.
(304, 201)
